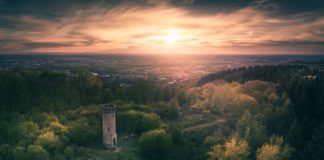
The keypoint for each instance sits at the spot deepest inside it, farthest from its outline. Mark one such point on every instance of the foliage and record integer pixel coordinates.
(47, 90)
(274, 150)
(233, 149)
(315, 147)
(49, 141)
(81, 132)
(169, 111)
(25, 132)
(155, 145)
(37, 152)
(43, 115)
(250, 129)
(288, 110)
(137, 122)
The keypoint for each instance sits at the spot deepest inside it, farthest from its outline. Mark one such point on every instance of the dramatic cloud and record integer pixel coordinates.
(142, 26)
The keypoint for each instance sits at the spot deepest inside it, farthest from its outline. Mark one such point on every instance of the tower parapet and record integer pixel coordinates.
(108, 108)
(109, 126)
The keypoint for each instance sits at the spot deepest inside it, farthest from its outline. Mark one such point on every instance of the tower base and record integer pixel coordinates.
(111, 147)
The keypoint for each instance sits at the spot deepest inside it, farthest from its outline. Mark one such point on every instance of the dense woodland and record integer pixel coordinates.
(261, 112)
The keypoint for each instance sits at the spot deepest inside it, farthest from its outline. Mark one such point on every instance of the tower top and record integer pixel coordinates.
(108, 108)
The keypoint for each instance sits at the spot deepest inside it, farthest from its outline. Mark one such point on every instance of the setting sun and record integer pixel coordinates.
(172, 37)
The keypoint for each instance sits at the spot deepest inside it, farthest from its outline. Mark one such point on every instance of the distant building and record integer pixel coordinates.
(109, 126)
(125, 85)
(94, 74)
(311, 77)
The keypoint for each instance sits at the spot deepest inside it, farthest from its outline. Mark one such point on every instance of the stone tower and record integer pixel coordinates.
(109, 126)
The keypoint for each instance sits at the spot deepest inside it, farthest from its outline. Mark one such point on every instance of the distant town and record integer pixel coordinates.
(180, 70)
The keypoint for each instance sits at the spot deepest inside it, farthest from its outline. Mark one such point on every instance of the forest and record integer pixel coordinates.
(261, 112)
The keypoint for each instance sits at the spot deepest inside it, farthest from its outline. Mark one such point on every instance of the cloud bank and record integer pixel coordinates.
(140, 26)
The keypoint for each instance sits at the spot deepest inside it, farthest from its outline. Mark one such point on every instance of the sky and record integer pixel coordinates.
(162, 26)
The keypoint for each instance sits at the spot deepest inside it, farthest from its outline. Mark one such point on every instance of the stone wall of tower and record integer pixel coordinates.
(109, 129)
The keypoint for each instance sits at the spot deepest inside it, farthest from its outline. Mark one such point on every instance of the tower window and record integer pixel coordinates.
(108, 129)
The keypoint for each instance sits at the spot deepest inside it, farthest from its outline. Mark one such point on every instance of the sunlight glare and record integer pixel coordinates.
(172, 37)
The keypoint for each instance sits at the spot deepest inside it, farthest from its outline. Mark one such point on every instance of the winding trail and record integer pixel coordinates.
(205, 125)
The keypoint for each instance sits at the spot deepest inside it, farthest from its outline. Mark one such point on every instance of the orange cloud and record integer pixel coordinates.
(126, 29)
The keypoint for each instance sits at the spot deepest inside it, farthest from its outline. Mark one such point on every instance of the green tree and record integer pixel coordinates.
(294, 133)
(81, 132)
(19, 153)
(155, 145)
(173, 111)
(69, 152)
(88, 86)
(176, 133)
(314, 149)
(6, 152)
(25, 132)
(49, 141)
(252, 130)
(36, 152)
(169, 111)
(13, 92)
(51, 91)
(138, 122)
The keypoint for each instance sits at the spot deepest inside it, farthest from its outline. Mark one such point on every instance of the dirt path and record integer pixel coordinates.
(217, 122)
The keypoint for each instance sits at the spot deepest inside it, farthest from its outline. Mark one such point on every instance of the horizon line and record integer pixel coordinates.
(160, 54)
